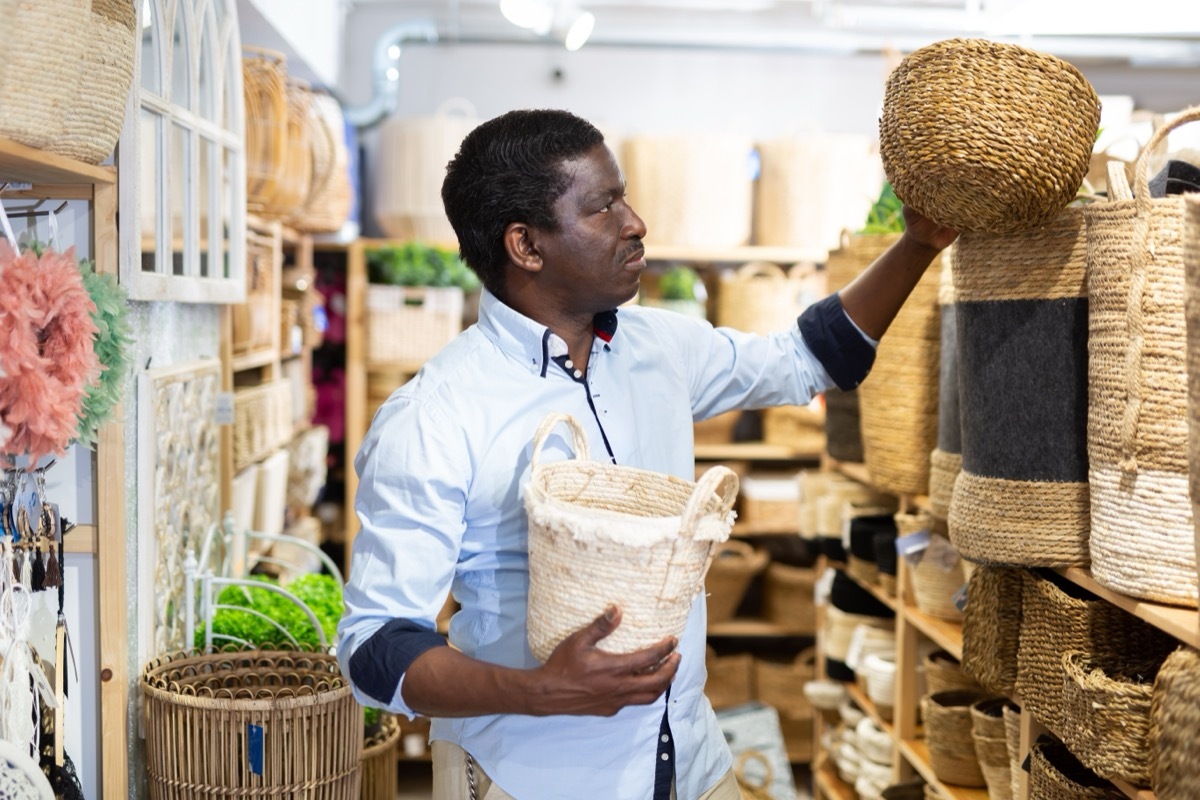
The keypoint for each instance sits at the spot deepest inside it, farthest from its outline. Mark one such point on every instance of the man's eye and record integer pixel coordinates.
(607, 207)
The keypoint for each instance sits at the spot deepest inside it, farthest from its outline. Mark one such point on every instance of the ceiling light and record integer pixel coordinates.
(563, 19)
(576, 27)
(534, 15)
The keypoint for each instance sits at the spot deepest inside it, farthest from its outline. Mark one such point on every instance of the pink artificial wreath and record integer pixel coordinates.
(47, 358)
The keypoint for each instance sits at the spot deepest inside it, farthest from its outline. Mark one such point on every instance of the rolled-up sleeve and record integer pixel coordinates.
(841, 346)
(410, 507)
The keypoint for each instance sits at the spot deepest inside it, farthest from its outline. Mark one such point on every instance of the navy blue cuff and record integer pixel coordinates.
(840, 347)
(378, 664)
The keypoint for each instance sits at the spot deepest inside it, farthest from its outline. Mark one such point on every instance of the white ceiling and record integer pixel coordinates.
(1145, 32)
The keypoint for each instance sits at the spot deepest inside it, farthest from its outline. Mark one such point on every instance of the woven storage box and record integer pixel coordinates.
(987, 136)
(769, 503)
(602, 534)
(788, 598)
(1106, 714)
(311, 726)
(1191, 257)
(692, 190)
(734, 565)
(945, 461)
(1174, 720)
(943, 673)
(409, 324)
(264, 87)
(798, 427)
(730, 678)
(760, 297)
(947, 717)
(1057, 616)
(781, 683)
(379, 761)
(898, 400)
(1022, 308)
(411, 164)
(1056, 774)
(254, 321)
(1142, 539)
(262, 421)
(991, 628)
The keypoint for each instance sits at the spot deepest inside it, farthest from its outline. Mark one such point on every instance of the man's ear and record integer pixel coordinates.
(518, 241)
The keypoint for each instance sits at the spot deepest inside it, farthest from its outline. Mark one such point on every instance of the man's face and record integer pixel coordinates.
(594, 260)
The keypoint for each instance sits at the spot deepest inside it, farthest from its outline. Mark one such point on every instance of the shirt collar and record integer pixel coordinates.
(526, 340)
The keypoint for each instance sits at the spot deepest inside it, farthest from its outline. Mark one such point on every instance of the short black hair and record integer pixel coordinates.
(509, 169)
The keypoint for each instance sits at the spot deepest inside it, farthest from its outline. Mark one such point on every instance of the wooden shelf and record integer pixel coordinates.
(858, 472)
(876, 592)
(752, 627)
(752, 451)
(1132, 791)
(830, 785)
(916, 752)
(863, 701)
(254, 359)
(946, 634)
(728, 255)
(1182, 623)
(21, 163)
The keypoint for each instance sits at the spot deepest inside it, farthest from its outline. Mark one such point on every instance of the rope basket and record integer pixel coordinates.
(262, 421)
(987, 136)
(1012, 740)
(734, 565)
(991, 631)
(1058, 616)
(781, 683)
(939, 574)
(943, 673)
(991, 744)
(1106, 714)
(692, 190)
(880, 671)
(379, 761)
(602, 534)
(1056, 774)
(945, 461)
(310, 724)
(1142, 540)
(264, 86)
(898, 400)
(760, 297)
(1022, 309)
(1191, 258)
(730, 678)
(788, 598)
(947, 718)
(1174, 720)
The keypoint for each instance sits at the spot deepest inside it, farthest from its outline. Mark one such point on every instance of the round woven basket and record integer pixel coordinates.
(734, 565)
(939, 574)
(379, 761)
(730, 678)
(788, 598)
(602, 534)
(264, 87)
(312, 727)
(1142, 535)
(943, 673)
(1056, 774)
(778, 683)
(992, 627)
(947, 717)
(1174, 720)
(1012, 741)
(1106, 714)
(761, 297)
(987, 136)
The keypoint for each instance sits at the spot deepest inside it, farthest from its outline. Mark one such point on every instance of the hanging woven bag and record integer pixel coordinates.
(601, 534)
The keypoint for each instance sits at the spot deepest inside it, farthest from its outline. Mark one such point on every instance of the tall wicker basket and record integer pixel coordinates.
(379, 761)
(251, 723)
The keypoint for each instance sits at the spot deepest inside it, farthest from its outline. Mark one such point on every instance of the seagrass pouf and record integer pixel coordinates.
(987, 136)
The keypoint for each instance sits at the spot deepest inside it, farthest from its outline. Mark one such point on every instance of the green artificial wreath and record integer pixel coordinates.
(113, 346)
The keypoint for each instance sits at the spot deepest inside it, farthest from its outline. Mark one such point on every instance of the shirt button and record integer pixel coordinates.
(666, 757)
(569, 365)
(665, 738)
(578, 374)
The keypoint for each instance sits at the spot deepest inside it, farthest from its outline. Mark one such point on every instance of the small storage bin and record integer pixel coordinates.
(734, 565)
(409, 324)
(992, 627)
(1175, 769)
(788, 598)
(770, 503)
(1056, 774)
(379, 761)
(947, 717)
(730, 678)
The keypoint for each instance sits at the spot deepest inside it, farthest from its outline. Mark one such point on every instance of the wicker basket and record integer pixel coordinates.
(264, 86)
(602, 534)
(947, 718)
(769, 503)
(734, 565)
(945, 462)
(1056, 774)
(781, 683)
(991, 744)
(409, 324)
(692, 190)
(1191, 258)
(1022, 497)
(1142, 537)
(992, 627)
(1057, 616)
(939, 574)
(294, 180)
(987, 136)
(379, 761)
(796, 427)
(944, 673)
(760, 297)
(788, 598)
(1106, 714)
(330, 195)
(730, 679)
(254, 321)
(1174, 720)
(310, 726)
(1012, 741)
(262, 421)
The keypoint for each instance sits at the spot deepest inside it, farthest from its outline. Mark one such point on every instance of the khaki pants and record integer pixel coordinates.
(450, 779)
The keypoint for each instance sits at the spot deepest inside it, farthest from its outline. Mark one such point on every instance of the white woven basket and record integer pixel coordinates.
(602, 534)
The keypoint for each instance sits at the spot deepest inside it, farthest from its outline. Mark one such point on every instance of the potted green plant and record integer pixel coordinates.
(681, 289)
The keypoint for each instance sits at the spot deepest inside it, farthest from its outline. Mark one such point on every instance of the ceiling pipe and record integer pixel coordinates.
(386, 72)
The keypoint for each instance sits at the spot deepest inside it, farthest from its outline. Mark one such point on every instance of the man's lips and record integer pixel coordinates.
(637, 257)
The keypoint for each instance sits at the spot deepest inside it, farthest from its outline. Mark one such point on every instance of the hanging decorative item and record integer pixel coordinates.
(47, 353)
(113, 345)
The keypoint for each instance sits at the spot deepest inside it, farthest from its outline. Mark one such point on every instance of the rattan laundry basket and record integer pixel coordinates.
(203, 711)
(987, 136)
(602, 534)
(1142, 536)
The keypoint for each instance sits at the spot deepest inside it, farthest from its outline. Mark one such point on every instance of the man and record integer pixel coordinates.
(538, 203)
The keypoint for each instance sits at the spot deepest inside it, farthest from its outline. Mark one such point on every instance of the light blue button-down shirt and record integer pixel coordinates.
(442, 471)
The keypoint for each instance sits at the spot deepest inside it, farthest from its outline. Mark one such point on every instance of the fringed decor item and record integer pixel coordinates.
(1174, 720)
(1022, 311)
(992, 627)
(1056, 774)
(1142, 536)
(945, 461)
(987, 136)
(113, 345)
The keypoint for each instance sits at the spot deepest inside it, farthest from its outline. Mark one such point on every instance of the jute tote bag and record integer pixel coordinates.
(1142, 539)
(1022, 315)
(945, 462)
(1191, 257)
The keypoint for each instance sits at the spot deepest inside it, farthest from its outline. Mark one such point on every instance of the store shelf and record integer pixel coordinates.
(946, 634)
(254, 360)
(752, 627)
(1182, 623)
(21, 163)
(916, 752)
(402, 367)
(863, 701)
(1132, 791)
(858, 472)
(727, 255)
(830, 785)
(752, 451)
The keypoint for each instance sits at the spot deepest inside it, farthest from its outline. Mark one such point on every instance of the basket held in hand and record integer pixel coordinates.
(602, 534)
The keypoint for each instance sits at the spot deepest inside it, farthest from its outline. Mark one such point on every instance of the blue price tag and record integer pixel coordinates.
(912, 543)
(254, 748)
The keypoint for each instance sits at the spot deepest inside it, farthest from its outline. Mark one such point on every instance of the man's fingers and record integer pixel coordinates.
(601, 626)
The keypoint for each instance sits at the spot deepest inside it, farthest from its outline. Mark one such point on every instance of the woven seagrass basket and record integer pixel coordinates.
(762, 297)
(1056, 774)
(1191, 259)
(946, 459)
(1012, 741)
(939, 574)
(379, 761)
(264, 87)
(781, 683)
(311, 726)
(788, 599)
(1142, 535)
(992, 627)
(944, 673)
(987, 136)
(947, 717)
(1174, 720)
(730, 678)
(734, 565)
(602, 534)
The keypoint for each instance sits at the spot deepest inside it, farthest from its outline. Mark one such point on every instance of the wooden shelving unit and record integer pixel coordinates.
(55, 177)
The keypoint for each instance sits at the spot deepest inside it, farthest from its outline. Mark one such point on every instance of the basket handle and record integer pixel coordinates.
(719, 480)
(1134, 316)
(578, 439)
(760, 269)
